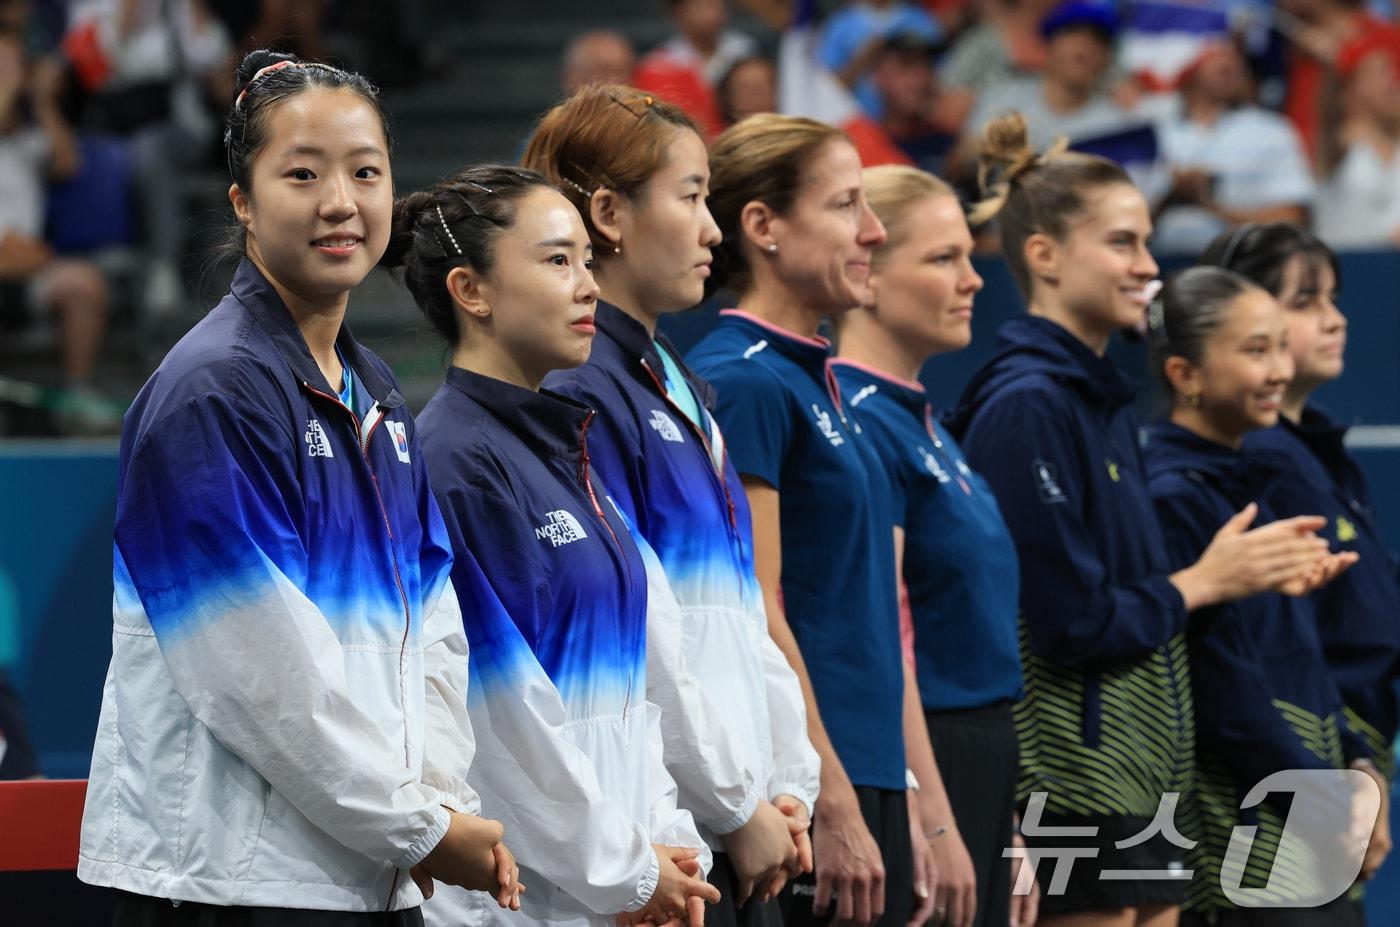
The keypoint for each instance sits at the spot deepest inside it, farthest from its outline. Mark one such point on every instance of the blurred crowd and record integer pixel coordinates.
(1224, 111)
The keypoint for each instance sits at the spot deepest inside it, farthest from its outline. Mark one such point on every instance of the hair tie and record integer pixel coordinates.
(450, 237)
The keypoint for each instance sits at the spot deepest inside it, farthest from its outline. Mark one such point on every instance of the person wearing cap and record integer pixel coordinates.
(1070, 97)
(1230, 161)
(912, 101)
(854, 36)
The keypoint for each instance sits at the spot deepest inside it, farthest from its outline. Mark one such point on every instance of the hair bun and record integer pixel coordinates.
(255, 61)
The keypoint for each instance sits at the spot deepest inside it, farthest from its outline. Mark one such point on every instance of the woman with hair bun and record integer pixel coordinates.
(955, 556)
(1358, 614)
(1106, 721)
(569, 751)
(1265, 701)
(638, 172)
(798, 236)
(284, 736)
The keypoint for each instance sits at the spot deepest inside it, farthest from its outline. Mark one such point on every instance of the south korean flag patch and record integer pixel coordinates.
(399, 432)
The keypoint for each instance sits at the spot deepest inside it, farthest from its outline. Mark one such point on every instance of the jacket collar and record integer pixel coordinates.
(811, 352)
(261, 299)
(639, 347)
(1242, 473)
(547, 422)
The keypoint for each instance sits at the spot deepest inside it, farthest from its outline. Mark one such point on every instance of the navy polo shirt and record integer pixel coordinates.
(778, 405)
(960, 563)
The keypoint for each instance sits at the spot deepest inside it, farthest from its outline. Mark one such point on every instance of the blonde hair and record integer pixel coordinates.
(765, 158)
(1031, 193)
(892, 190)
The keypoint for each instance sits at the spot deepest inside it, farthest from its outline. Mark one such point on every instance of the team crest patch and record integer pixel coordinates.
(1346, 531)
(1047, 482)
(317, 444)
(666, 426)
(560, 528)
(399, 432)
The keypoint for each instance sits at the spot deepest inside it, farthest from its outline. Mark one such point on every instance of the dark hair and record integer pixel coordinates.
(258, 95)
(763, 157)
(725, 85)
(1187, 310)
(604, 136)
(454, 223)
(1031, 193)
(1262, 253)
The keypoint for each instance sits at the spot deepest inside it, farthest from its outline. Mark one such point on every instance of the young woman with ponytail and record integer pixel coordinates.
(284, 737)
(1265, 701)
(638, 172)
(569, 750)
(1106, 721)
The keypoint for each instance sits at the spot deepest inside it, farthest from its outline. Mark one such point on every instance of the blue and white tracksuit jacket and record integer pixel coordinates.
(284, 717)
(746, 739)
(569, 754)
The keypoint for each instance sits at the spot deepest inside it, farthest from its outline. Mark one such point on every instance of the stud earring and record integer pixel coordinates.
(772, 248)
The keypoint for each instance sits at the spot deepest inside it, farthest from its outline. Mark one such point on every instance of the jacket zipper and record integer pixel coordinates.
(393, 559)
(598, 511)
(705, 442)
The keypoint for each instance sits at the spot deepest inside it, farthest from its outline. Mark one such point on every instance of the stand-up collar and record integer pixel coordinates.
(636, 345)
(809, 351)
(908, 393)
(550, 424)
(261, 299)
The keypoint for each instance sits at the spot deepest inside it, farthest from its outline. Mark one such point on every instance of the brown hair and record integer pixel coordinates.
(604, 136)
(763, 158)
(1034, 193)
(891, 189)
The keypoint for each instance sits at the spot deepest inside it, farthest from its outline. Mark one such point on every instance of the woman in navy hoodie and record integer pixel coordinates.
(569, 750)
(1265, 701)
(1105, 724)
(1358, 615)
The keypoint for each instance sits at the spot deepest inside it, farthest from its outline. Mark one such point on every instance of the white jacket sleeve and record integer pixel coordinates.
(796, 764)
(718, 779)
(448, 743)
(208, 544)
(670, 824)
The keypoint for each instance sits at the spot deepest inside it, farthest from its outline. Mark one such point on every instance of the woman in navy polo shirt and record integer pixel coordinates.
(569, 747)
(638, 172)
(1358, 614)
(955, 553)
(798, 236)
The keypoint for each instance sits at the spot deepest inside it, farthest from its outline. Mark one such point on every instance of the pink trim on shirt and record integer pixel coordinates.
(814, 340)
(907, 384)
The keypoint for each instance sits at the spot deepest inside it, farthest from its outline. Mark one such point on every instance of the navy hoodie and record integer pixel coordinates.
(1105, 722)
(1358, 613)
(1265, 701)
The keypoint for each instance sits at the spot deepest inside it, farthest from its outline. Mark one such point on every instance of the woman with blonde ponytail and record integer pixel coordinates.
(1105, 725)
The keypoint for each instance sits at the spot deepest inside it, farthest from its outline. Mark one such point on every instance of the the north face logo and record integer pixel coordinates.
(561, 528)
(666, 426)
(317, 444)
(825, 427)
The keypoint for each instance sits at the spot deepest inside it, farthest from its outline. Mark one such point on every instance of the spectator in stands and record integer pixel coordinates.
(1322, 32)
(1004, 45)
(1067, 97)
(37, 144)
(601, 56)
(1359, 206)
(854, 35)
(749, 87)
(686, 68)
(293, 26)
(150, 66)
(904, 78)
(1231, 161)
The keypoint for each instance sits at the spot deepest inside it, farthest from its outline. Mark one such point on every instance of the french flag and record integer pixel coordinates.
(1161, 39)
